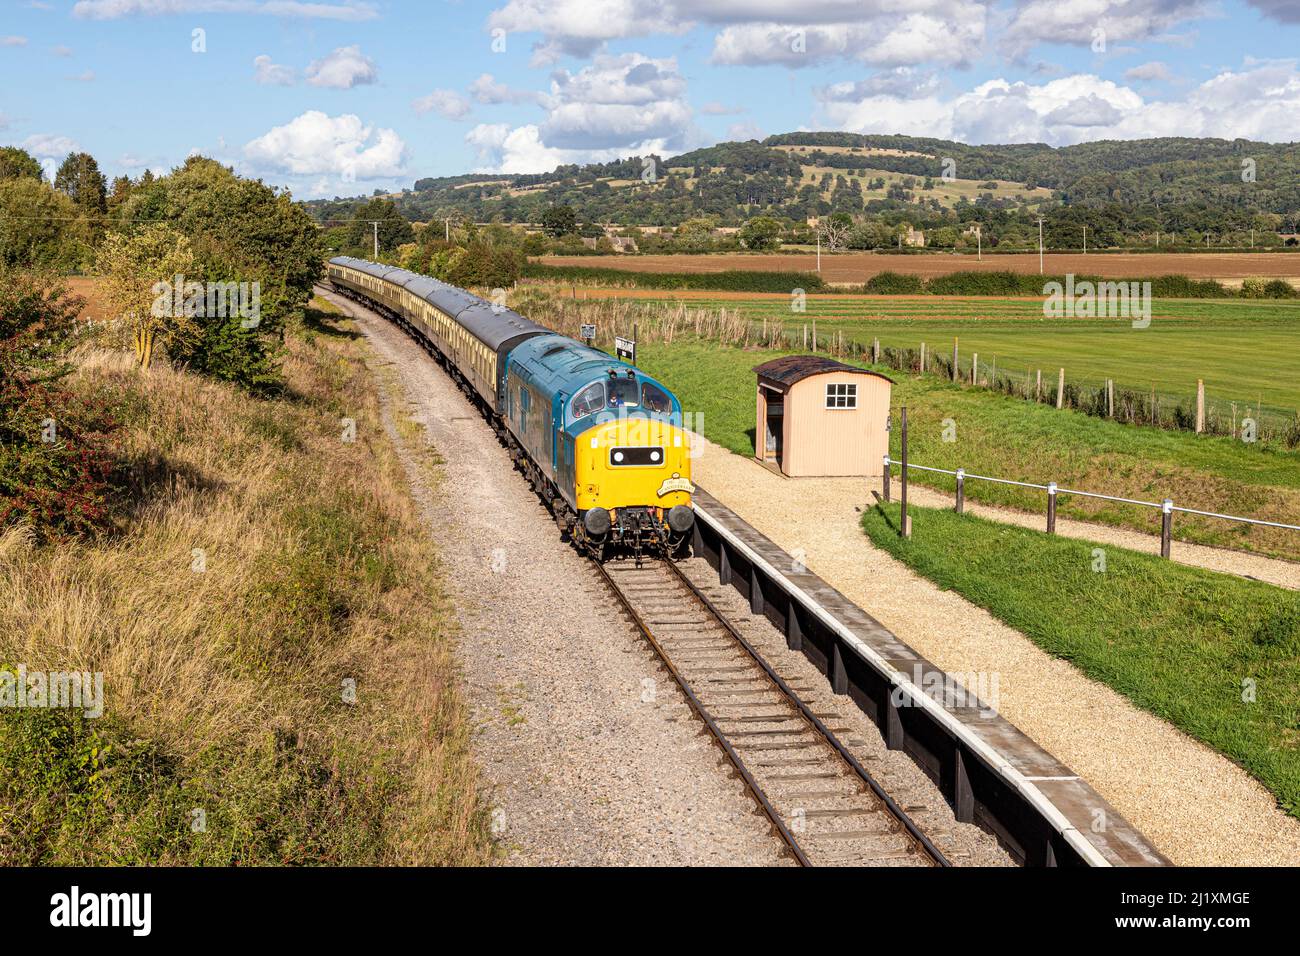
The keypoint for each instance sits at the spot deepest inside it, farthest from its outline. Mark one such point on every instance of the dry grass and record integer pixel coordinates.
(266, 561)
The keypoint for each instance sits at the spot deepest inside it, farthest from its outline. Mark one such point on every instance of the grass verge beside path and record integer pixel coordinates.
(279, 685)
(1187, 645)
(1006, 437)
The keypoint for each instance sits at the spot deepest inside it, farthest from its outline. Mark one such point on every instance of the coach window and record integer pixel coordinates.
(590, 400)
(841, 395)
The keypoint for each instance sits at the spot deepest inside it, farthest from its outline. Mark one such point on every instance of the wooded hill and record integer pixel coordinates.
(1120, 189)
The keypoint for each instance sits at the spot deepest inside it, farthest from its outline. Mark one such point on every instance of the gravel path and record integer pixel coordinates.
(1284, 574)
(583, 771)
(1196, 806)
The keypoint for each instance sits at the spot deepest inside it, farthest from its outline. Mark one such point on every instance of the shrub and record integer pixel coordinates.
(55, 460)
(894, 283)
(734, 280)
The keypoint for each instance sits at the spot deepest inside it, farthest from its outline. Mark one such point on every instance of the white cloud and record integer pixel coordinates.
(1261, 102)
(744, 131)
(13, 41)
(884, 32)
(715, 108)
(87, 76)
(615, 101)
(1085, 22)
(521, 150)
(116, 9)
(315, 144)
(269, 73)
(614, 106)
(343, 69)
(488, 91)
(49, 146)
(1148, 72)
(447, 103)
(1287, 11)
(61, 50)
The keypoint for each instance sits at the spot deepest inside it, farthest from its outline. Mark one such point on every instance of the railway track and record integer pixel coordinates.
(822, 803)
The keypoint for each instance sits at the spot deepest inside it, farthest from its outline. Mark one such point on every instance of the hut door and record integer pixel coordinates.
(775, 426)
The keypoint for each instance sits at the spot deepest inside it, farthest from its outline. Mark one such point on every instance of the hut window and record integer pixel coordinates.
(841, 395)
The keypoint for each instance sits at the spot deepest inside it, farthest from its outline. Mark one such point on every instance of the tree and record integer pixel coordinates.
(80, 178)
(559, 221)
(15, 162)
(835, 230)
(40, 226)
(394, 229)
(139, 271)
(694, 235)
(761, 232)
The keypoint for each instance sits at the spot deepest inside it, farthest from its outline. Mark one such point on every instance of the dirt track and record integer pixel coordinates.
(860, 266)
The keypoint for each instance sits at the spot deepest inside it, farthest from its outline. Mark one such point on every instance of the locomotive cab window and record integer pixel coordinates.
(841, 395)
(623, 393)
(588, 401)
(655, 399)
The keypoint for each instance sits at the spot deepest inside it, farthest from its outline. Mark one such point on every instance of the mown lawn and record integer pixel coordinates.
(1215, 655)
(1010, 438)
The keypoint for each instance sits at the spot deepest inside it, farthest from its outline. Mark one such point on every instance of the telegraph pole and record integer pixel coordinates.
(1040, 245)
(1085, 240)
(375, 223)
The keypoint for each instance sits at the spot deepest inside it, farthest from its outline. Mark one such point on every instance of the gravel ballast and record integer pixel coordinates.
(584, 770)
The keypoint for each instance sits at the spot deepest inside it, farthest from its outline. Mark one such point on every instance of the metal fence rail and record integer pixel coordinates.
(1166, 507)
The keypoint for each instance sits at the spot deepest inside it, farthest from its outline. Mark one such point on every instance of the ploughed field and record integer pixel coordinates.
(861, 266)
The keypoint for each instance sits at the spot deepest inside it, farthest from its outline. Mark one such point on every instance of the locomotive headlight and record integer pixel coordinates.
(655, 456)
(618, 456)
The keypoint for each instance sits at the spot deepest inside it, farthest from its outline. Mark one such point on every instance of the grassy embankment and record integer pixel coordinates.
(1215, 655)
(262, 563)
(1011, 438)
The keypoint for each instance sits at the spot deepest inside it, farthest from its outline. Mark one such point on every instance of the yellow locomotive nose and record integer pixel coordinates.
(633, 462)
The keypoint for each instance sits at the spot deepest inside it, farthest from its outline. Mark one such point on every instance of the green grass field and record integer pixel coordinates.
(1245, 350)
(1216, 656)
(1010, 438)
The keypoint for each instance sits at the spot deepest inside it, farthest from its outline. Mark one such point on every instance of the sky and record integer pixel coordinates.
(342, 97)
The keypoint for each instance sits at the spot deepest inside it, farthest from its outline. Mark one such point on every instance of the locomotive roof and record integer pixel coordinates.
(493, 326)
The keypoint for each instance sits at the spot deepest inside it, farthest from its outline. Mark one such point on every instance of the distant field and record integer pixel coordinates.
(1245, 350)
(1011, 438)
(861, 266)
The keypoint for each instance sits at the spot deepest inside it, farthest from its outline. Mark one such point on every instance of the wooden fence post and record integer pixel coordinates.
(954, 358)
(1038, 385)
(875, 351)
(1200, 405)
(1166, 526)
(1060, 390)
(974, 368)
(961, 491)
(904, 525)
(922, 369)
(814, 336)
(885, 479)
(1110, 398)
(1051, 507)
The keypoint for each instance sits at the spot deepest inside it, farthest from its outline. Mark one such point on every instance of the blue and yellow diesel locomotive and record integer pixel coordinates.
(601, 442)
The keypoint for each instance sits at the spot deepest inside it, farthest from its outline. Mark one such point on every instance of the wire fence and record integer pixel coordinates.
(1167, 508)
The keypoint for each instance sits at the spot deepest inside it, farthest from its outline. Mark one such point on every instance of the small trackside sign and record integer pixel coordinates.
(676, 483)
(625, 349)
(588, 333)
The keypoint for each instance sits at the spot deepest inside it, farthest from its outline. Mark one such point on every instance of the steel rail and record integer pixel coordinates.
(930, 850)
(720, 738)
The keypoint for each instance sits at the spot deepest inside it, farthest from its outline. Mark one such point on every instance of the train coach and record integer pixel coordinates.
(601, 442)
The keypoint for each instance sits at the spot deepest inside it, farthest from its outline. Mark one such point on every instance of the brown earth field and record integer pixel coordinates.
(88, 288)
(861, 266)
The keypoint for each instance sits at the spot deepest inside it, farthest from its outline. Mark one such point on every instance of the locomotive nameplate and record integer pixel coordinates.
(676, 483)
